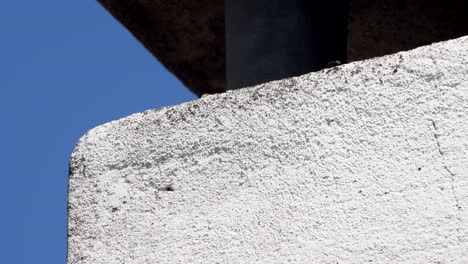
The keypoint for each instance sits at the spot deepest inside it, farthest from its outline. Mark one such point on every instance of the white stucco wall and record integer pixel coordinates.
(367, 162)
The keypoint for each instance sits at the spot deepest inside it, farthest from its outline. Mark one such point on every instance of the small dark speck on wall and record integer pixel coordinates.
(168, 188)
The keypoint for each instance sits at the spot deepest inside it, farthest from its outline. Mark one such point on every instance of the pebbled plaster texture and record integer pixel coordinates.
(365, 162)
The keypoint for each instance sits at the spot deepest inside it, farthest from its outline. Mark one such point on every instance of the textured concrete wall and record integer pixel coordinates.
(366, 162)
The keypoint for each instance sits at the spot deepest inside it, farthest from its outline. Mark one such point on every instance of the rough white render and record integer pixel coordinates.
(366, 162)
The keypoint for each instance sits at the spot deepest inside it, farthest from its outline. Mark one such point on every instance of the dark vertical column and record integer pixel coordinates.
(274, 39)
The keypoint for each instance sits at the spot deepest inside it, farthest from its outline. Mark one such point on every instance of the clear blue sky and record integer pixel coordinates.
(65, 67)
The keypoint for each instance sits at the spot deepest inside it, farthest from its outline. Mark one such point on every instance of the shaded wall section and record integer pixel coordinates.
(383, 27)
(188, 36)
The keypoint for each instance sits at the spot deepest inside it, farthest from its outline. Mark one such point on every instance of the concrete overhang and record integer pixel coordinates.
(188, 37)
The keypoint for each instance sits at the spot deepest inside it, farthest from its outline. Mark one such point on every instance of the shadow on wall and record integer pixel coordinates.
(380, 27)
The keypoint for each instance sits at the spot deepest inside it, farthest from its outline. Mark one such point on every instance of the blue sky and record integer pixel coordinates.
(65, 67)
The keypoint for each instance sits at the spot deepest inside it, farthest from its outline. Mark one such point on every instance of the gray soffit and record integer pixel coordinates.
(187, 37)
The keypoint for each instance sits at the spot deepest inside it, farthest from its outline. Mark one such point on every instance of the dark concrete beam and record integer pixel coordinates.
(269, 40)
